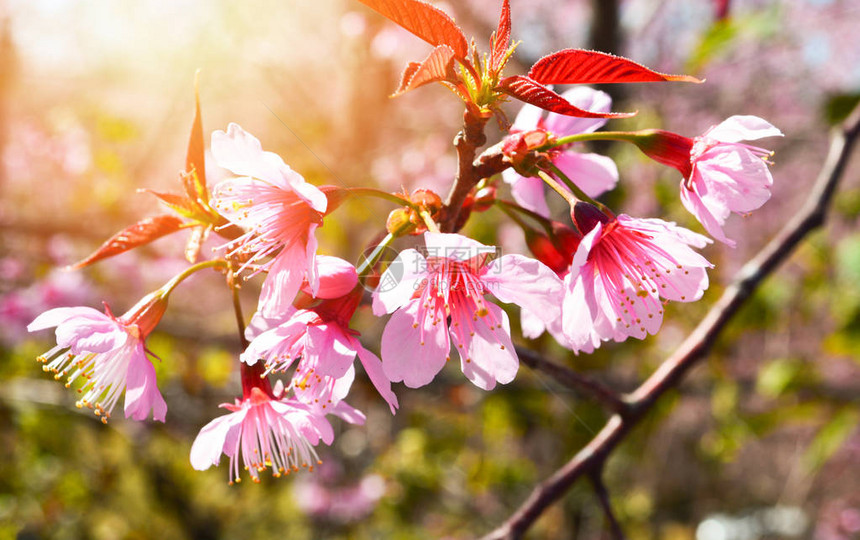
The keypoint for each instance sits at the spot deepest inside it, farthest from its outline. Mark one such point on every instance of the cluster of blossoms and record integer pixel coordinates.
(595, 277)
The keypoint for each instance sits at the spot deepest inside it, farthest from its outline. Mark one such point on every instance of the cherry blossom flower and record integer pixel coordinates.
(720, 174)
(619, 273)
(593, 173)
(262, 430)
(441, 297)
(280, 210)
(319, 337)
(109, 354)
(726, 175)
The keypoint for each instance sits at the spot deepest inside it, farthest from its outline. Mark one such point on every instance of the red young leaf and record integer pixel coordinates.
(438, 66)
(196, 148)
(180, 203)
(577, 66)
(425, 21)
(142, 232)
(526, 89)
(502, 36)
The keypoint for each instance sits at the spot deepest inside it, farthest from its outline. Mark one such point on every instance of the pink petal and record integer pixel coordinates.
(284, 280)
(454, 246)
(579, 311)
(413, 351)
(241, 153)
(221, 435)
(279, 341)
(336, 277)
(585, 98)
(374, 369)
(693, 203)
(341, 386)
(399, 282)
(91, 334)
(348, 413)
(331, 348)
(141, 391)
(527, 119)
(260, 323)
(54, 317)
(743, 128)
(592, 173)
(487, 355)
(531, 325)
(528, 192)
(520, 280)
(732, 177)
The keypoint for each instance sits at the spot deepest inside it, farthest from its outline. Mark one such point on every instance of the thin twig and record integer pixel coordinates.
(697, 344)
(603, 496)
(574, 380)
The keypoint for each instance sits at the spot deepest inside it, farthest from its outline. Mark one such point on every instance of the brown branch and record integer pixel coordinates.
(606, 505)
(575, 381)
(697, 344)
(467, 142)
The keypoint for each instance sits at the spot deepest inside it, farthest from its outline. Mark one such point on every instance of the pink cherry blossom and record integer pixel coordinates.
(451, 282)
(321, 345)
(593, 173)
(262, 430)
(727, 175)
(318, 338)
(280, 210)
(109, 354)
(619, 273)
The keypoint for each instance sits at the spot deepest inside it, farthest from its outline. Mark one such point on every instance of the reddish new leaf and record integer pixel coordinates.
(438, 66)
(502, 37)
(577, 66)
(425, 21)
(142, 232)
(196, 186)
(530, 91)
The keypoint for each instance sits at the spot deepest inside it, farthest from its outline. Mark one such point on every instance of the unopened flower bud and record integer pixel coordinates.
(545, 251)
(398, 221)
(484, 198)
(427, 199)
(586, 216)
(565, 239)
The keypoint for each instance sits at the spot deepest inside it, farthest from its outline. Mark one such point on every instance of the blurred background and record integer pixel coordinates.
(96, 101)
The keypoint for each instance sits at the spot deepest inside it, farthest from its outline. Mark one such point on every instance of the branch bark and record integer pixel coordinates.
(697, 345)
(467, 143)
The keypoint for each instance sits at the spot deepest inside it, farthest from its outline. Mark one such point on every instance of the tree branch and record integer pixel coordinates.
(575, 381)
(697, 344)
(606, 505)
(467, 142)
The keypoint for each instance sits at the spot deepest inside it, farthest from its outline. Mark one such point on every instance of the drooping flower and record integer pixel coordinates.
(441, 297)
(109, 354)
(620, 272)
(318, 337)
(726, 175)
(720, 174)
(262, 431)
(280, 210)
(593, 173)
